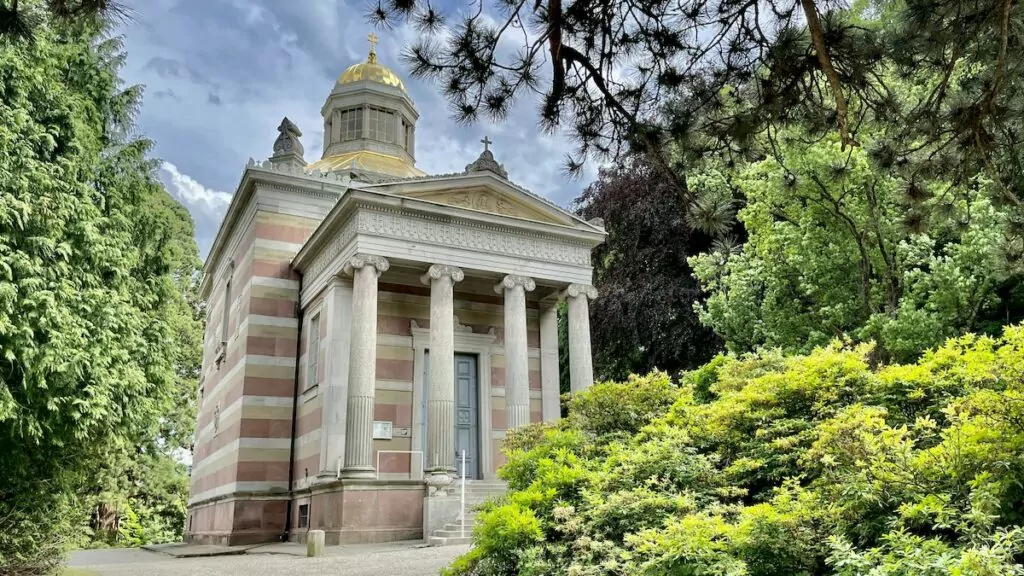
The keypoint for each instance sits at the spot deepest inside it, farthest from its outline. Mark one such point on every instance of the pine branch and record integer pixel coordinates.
(818, 38)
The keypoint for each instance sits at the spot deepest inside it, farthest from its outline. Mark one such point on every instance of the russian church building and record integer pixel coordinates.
(374, 331)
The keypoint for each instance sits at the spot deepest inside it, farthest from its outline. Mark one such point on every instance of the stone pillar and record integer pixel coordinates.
(362, 365)
(440, 455)
(517, 362)
(337, 311)
(581, 363)
(550, 406)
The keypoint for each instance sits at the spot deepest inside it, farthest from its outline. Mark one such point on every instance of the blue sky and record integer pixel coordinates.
(220, 74)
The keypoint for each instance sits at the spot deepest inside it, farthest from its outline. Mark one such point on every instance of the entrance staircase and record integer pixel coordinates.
(477, 491)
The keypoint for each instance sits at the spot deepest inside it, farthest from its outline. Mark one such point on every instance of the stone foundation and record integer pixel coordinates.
(232, 522)
(348, 511)
(352, 511)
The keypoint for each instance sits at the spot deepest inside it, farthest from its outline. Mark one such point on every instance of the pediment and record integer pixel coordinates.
(484, 199)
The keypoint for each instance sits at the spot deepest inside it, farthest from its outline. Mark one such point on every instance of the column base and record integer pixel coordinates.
(362, 472)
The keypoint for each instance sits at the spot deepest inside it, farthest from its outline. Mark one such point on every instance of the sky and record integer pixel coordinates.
(220, 74)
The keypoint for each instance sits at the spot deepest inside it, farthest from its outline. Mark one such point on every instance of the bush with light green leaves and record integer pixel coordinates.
(764, 464)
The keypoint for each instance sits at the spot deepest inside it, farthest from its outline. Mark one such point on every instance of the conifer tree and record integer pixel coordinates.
(98, 340)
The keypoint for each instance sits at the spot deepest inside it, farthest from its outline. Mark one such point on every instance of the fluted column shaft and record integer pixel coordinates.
(362, 366)
(581, 362)
(517, 362)
(550, 407)
(441, 395)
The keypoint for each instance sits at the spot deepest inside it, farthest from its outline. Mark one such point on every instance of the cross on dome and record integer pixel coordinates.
(486, 142)
(372, 38)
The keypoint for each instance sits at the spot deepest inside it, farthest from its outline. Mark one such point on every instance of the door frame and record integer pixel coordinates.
(466, 342)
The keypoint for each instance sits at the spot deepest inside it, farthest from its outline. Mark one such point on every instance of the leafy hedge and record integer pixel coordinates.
(771, 465)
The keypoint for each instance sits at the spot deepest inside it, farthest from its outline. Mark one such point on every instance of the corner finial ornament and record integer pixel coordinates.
(486, 161)
(288, 150)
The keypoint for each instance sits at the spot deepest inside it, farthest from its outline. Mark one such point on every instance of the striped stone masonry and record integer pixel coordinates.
(243, 427)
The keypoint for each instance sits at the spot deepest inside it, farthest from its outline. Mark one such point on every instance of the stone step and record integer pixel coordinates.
(453, 541)
(457, 526)
(483, 482)
(456, 533)
(479, 493)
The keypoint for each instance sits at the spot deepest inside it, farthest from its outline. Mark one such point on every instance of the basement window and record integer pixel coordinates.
(303, 515)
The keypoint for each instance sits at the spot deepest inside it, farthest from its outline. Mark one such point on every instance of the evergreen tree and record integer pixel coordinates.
(19, 20)
(98, 340)
(731, 71)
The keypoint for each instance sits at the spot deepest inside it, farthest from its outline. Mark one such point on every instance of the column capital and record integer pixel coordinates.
(438, 271)
(577, 290)
(360, 260)
(513, 280)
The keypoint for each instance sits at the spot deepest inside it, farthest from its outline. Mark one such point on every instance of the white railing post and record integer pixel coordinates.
(462, 506)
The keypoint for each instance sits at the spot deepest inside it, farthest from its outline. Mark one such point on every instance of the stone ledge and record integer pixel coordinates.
(189, 550)
(246, 496)
(356, 484)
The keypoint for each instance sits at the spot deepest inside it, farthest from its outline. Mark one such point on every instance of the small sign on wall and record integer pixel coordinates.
(381, 430)
(402, 432)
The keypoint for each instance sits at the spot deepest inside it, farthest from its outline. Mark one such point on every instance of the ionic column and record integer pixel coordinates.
(362, 365)
(551, 410)
(441, 396)
(517, 362)
(581, 363)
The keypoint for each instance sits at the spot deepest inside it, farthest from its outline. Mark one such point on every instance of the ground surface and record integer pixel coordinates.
(398, 559)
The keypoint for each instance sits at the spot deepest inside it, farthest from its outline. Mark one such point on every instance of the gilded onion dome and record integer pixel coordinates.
(371, 70)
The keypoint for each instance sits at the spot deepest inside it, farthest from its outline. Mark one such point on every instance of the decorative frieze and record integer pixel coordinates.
(328, 253)
(470, 235)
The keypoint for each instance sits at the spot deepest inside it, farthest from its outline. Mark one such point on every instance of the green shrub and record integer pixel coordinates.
(608, 408)
(767, 465)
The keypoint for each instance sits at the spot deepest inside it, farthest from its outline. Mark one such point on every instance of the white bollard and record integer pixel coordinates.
(315, 543)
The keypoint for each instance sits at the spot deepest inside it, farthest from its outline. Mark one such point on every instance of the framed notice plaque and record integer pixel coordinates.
(381, 430)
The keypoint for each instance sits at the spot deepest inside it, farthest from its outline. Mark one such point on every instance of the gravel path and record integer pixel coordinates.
(277, 560)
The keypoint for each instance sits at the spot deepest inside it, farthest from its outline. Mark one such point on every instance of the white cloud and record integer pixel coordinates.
(195, 196)
(206, 205)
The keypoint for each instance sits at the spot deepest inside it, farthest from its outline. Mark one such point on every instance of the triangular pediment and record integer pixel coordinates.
(492, 201)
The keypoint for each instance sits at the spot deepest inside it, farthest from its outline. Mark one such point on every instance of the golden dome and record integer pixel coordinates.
(371, 70)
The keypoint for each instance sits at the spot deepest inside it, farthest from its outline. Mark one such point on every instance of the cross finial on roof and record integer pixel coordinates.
(373, 43)
(486, 161)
